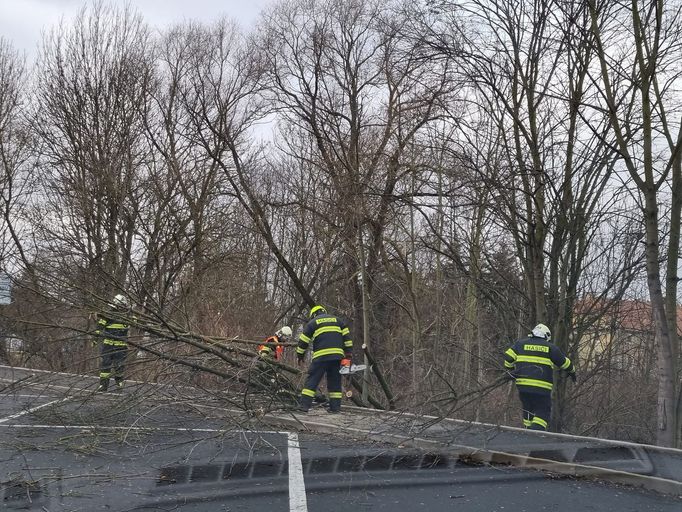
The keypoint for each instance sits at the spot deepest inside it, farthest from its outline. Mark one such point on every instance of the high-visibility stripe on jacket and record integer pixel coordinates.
(112, 332)
(532, 362)
(330, 338)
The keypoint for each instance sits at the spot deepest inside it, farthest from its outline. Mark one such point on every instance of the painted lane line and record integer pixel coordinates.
(12, 395)
(114, 429)
(55, 387)
(141, 429)
(74, 389)
(33, 409)
(33, 371)
(297, 498)
(43, 385)
(84, 392)
(87, 393)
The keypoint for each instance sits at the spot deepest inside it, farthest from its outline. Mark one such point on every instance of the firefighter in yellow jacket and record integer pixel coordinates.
(112, 334)
(332, 344)
(531, 362)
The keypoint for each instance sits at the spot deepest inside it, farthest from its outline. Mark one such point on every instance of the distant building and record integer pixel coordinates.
(624, 335)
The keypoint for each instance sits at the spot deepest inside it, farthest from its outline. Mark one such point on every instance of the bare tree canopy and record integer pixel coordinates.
(442, 174)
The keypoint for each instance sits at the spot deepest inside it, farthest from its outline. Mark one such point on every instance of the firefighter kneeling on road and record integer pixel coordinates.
(272, 347)
(332, 347)
(530, 362)
(272, 350)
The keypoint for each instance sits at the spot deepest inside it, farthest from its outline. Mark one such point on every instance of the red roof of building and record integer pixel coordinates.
(632, 315)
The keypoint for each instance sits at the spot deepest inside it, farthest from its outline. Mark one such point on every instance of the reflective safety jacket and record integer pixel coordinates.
(532, 361)
(271, 347)
(112, 332)
(330, 338)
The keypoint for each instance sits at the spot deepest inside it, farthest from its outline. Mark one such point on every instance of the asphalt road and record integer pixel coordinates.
(74, 450)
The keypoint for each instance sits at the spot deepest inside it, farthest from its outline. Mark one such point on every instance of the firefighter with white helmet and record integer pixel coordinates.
(272, 350)
(531, 362)
(112, 334)
(272, 346)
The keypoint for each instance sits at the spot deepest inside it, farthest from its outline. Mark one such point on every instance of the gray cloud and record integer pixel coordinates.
(22, 21)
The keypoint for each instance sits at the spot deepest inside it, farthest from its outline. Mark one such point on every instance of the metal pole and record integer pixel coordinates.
(365, 315)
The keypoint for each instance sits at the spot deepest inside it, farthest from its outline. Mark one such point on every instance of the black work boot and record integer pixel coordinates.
(304, 403)
(103, 385)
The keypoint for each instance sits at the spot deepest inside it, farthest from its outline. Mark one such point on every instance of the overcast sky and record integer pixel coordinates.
(21, 21)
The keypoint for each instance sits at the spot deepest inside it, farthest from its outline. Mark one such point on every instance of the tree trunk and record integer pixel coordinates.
(667, 404)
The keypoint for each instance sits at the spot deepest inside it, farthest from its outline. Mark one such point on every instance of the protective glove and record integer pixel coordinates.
(94, 342)
(573, 377)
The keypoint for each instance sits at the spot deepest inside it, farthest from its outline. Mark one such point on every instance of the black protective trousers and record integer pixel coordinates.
(113, 363)
(315, 373)
(537, 409)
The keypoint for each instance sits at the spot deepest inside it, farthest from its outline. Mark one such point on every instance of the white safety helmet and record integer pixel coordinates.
(542, 331)
(120, 301)
(284, 332)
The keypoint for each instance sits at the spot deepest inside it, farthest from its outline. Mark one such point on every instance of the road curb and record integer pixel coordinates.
(485, 456)
(508, 428)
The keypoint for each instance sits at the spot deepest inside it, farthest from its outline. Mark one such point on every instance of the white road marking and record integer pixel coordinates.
(33, 371)
(48, 386)
(73, 388)
(33, 409)
(12, 395)
(149, 429)
(297, 498)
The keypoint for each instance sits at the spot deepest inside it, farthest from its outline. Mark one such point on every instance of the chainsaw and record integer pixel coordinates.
(347, 370)
(354, 368)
